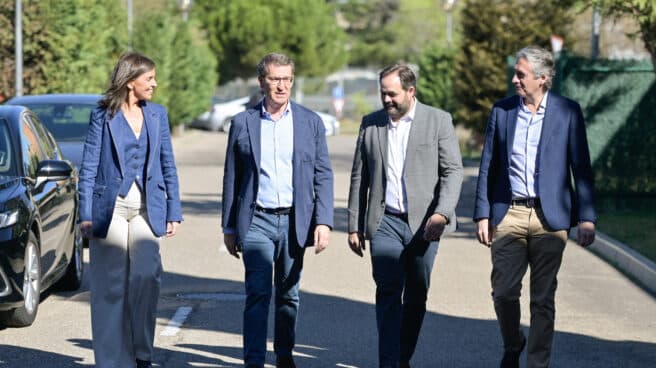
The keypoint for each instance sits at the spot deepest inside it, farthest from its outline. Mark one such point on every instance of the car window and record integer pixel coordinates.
(44, 138)
(7, 159)
(66, 121)
(32, 152)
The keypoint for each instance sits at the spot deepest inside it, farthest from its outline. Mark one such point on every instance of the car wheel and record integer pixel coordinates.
(24, 316)
(225, 127)
(72, 279)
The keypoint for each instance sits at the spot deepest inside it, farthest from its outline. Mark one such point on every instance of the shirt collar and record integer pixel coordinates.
(543, 104)
(265, 114)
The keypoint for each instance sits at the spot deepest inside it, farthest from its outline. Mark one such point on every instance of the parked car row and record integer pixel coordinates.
(40, 244)
(219, 116)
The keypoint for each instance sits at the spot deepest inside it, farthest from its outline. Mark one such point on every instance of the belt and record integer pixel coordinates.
(402, 216)
(275, 211)
(526, 202)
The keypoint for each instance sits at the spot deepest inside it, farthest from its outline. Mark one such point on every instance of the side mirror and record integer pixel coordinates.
(52, 170)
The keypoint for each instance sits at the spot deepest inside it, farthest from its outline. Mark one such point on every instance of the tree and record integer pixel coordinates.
(186, 75)
(493, 30)
(382, 32)
(643, 11)
(68, 46)
(435, 84)
(241, 32)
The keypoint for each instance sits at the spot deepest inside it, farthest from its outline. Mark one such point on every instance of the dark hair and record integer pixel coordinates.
(273, 59)
(406, 75)
(129, 67)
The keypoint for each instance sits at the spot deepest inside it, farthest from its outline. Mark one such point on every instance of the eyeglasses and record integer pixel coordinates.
(286, 81)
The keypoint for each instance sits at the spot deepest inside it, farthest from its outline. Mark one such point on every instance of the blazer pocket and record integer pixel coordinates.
(98, 190)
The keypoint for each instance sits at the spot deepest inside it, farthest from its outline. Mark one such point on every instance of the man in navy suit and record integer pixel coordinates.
(277, 199)
(525, 203)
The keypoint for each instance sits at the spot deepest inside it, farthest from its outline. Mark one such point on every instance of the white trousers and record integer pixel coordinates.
(125, 272)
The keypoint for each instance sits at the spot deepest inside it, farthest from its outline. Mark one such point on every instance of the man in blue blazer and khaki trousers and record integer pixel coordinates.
(535, 144)
(277, 199)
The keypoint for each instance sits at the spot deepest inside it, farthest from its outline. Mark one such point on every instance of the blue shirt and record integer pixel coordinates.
(524, 159)
(136, 149)
(277, 149)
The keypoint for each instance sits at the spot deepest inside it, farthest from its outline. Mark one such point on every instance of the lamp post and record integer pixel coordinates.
(129, 6)
(19, 48)
(448, 8)
(185, 6)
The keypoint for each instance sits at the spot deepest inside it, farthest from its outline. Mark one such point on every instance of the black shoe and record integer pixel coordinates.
(285, 362)
(144, 364)
(404, 365)
(511, 357)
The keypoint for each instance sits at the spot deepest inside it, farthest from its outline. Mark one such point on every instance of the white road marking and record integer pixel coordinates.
(176, 321)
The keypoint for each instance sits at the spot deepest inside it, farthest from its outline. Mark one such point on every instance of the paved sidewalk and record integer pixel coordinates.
(603, 318)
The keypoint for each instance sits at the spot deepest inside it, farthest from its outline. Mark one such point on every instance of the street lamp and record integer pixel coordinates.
(18, 29)
(185, 6)
(448, 7)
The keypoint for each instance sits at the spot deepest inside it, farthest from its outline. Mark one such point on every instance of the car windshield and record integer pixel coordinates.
(66, 121)
(7, 159)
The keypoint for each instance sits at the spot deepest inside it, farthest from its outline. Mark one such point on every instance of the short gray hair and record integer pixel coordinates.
(541, 60)
(273, 59)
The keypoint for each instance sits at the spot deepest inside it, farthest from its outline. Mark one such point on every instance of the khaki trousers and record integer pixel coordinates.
(125, 280)
(522, 239)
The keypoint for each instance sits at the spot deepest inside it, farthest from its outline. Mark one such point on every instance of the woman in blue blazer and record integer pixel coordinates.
(129, 198)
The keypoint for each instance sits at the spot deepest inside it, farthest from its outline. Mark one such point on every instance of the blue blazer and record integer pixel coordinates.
(562, 152)
(312, 176)
(103, 167)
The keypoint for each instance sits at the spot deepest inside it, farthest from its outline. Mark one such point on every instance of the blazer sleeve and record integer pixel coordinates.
(450, 169)
(482, 206)
(581, 168)
(323, 179)
(90, 162)
(230, 184)
(359, 189)
(169, 172)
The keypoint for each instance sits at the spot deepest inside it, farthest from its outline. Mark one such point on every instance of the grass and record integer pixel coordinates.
(634, 228)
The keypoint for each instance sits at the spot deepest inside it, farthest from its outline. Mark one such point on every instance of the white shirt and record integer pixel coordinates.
(397, 144)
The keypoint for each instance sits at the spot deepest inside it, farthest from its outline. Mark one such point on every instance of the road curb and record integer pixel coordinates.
(621, 256)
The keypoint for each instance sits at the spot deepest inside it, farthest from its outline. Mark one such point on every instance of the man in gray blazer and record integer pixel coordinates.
(405, 184)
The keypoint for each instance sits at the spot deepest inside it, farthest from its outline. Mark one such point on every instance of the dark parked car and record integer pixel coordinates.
(40, 244)
(66, 116)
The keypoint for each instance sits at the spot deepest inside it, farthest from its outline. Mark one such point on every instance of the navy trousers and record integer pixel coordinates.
(402, 264)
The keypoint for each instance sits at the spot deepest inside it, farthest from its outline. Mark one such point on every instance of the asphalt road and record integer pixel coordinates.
(603, 319)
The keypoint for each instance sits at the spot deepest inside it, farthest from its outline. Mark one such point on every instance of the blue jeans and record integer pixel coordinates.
(270, 249)
(402, 264)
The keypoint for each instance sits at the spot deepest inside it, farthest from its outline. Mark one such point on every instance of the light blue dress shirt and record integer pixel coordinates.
(277, 149)
(524, 160)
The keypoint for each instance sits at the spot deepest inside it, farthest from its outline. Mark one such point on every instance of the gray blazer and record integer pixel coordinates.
(432, 174)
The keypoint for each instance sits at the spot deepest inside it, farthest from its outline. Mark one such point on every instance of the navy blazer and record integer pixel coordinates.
(312, 176)
(103, 167)
(562, 152)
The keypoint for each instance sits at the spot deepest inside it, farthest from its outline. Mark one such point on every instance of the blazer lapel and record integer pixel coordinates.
(115, 131)
(417, 131)
(511, 124)
(151, 123)
(300, 124)
(382, 137)
(254, 126)
(549, 125)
